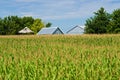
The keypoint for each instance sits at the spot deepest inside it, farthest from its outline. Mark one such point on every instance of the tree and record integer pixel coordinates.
(90, 28)
(12, 24)
(48, 24)
(27, 21)
(37, 25)
(115, 22)
(1, 27)
(99, 23)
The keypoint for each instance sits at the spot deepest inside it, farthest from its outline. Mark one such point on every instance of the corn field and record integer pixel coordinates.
(60, 57)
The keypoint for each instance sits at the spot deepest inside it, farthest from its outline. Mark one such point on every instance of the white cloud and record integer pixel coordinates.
(62, 9)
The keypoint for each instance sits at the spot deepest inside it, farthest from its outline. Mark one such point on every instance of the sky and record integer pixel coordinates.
(61, 13)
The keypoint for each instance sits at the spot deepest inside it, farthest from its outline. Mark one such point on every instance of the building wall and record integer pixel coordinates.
(76, 30)
(57, 32)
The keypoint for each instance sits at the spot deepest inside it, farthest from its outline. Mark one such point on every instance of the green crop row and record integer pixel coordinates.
(60, 57)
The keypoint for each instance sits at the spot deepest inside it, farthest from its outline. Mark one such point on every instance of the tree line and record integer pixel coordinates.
(10, 25)
(103, 22)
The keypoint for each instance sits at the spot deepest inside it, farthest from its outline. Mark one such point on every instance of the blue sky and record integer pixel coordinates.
(61, 13)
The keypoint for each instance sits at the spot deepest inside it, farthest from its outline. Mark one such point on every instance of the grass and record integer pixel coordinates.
(60, 57)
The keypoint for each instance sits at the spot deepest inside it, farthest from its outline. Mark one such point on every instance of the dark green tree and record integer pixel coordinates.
(1, 27)
(11, 25)
(48, 24)
(27, 21)
(99, 23)
(114, 26)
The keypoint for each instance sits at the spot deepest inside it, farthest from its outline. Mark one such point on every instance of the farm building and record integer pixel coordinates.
(51, 30)
(26, 30)
(76, 30)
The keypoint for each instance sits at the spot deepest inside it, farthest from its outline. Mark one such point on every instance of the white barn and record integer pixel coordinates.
(50, 30)
(26, 30)
(76, 30)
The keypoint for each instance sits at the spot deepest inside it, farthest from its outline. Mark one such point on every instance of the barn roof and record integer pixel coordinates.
(50, 30)
(25, 30)
(76, 30)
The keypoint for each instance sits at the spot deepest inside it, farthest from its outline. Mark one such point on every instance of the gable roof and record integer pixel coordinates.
(76, 30)
(51, 30)
(25, 30)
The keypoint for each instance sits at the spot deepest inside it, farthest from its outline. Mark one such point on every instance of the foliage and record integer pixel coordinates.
(12, 24)
(37, 25)
(103, 22)
(48, 24)
(98, 24)
(27, 21)
(86, 57)
(115, 22)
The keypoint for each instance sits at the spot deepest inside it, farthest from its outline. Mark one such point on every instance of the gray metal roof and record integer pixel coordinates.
(76, 30)
(50, 30)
